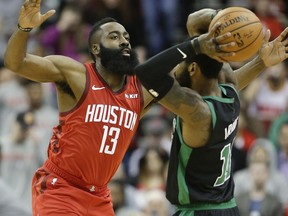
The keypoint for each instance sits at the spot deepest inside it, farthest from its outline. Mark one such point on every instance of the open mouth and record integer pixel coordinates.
(126, 52)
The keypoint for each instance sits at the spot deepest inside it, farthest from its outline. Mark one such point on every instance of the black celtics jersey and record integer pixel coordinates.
(203, 175)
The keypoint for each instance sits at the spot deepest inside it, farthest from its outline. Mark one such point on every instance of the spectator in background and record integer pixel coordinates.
(152, 169)
(257, 201)
(123, 194)
(10, 205)
(8, 9)
(161, 24)
(68, 35)
(270, 16)
(279, 136)
(156, 133)
(45, 117)
(267, 98)
(276, 185)
(20, 157)
(156, 204)
(13, 98)
(283, 150)
(150, 184)
(215, 4)
(275, 128)
(244, 140)
(240, 3)
(119, 199)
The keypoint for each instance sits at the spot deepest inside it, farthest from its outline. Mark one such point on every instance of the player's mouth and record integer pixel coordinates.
(126, 52)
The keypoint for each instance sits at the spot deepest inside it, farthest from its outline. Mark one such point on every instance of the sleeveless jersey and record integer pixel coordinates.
(91, 140)
(203, 175)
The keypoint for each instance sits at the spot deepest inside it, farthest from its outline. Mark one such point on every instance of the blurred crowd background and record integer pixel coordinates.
(28, 110)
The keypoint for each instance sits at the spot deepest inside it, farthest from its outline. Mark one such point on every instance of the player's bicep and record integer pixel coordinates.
(186, 103)
(44, 69)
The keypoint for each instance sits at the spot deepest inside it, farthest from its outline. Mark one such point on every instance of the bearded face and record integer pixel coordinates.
(182, 76)
(118, 63)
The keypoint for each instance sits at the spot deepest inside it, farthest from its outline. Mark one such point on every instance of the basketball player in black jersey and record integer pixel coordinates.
(199, 177)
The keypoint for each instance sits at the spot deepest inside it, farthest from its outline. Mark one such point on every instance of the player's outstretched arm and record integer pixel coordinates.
(30, 66)
(270, 53)
(154, 73)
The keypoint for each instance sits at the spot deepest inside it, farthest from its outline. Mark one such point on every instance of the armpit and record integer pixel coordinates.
(64, 87)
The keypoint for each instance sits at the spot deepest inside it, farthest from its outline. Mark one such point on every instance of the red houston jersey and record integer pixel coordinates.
(91, 140)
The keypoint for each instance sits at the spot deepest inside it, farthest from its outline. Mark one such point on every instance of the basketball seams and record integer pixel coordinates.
(259, 33)
(245, 25)
(238, 11)
(246, 29)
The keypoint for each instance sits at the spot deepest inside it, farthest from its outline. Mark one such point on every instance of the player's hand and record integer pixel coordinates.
(212, 46)
(275, 51)
(30, 16)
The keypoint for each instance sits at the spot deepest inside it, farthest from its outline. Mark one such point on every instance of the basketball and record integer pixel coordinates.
(246, 30)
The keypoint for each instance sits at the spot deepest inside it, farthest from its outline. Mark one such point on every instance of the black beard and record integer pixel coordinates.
(116, 62)
(184, 79)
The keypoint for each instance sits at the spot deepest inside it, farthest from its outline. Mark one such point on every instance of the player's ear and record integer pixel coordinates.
(192, 68)
(95, 49)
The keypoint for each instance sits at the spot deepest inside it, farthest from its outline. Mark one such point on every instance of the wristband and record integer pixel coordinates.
(24, 29)
(196, 46)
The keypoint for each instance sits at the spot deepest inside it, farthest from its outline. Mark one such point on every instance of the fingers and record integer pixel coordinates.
(223, 37)
(26, 3)
(283, 35)
(226, 46)
(267, 36)
(285, 42)
(214, 28)
(219, 38)
(38, 2)
(222, 55)
(48, 14)
(33, 3)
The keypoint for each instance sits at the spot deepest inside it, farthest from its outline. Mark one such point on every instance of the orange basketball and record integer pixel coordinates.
(246, 29)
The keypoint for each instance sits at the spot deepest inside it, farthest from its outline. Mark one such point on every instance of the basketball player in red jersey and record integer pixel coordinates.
(100, 105)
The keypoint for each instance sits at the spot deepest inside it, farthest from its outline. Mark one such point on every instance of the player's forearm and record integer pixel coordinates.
(154, 73)
(249, 72)
(16, 50)
(164, 62)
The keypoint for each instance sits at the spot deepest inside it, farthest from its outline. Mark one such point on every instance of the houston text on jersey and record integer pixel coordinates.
(111, 114)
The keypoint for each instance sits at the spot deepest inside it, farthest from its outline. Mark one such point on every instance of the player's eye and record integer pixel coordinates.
(114, 37)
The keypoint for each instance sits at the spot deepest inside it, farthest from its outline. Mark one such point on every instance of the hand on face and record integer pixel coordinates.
(30, 16)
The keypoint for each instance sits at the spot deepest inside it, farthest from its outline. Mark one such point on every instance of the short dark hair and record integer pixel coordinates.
(209, 67)
(94, 29)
